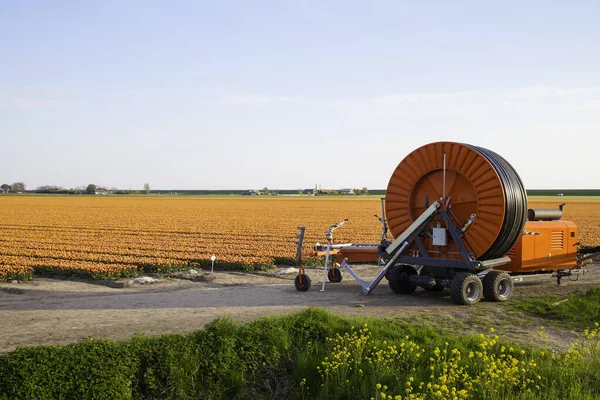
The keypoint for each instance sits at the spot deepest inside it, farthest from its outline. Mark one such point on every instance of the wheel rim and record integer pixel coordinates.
(472, 291)
(504, 288)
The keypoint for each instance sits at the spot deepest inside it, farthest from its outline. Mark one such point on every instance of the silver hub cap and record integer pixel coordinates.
(472, 291)
(504, 288)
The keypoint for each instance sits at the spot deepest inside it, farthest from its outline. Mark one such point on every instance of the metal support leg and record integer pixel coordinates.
(369, 288)
(396, 248)
(366, 286)
(421, 247)
(458, 241)
(354, 275)
(326, 266)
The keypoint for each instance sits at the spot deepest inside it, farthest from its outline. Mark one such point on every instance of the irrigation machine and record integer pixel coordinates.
(455, 218)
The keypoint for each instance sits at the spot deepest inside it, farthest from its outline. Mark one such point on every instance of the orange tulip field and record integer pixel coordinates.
(114, 237)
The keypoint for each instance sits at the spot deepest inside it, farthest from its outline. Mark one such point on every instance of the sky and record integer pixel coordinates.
(292, 93)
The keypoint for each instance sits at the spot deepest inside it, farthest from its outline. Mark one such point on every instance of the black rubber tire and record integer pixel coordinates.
(305, 285)
(334, 275)
(388, 272)
(497, 286)
(466, 289)
(398, 279)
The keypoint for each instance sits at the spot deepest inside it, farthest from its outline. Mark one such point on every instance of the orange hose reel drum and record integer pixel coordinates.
(475, 184)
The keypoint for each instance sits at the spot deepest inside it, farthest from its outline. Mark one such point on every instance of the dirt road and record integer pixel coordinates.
(49, 311)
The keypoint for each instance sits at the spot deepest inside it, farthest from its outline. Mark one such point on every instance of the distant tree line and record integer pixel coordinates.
(20, 187)
(563, 192)
(17, 187)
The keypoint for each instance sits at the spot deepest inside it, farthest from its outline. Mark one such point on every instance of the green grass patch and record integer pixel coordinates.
(98, 274)
(578, 310)
(230, 266)
(110, 272)
(308, 355)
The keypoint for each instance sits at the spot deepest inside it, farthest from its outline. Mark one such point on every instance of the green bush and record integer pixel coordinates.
(91, 369)
(311, 354)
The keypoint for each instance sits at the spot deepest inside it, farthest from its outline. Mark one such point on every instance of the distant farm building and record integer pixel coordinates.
(317, 190)
(101, 190)
(347, 191)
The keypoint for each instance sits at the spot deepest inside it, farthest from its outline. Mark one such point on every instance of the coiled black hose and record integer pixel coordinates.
(516, 205)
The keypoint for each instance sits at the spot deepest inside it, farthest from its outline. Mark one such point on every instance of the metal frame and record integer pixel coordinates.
(368, 287)
(396, 248)
(299, 243)
(393, 252)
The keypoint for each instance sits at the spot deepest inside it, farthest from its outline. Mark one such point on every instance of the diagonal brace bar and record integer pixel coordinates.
(397, 247)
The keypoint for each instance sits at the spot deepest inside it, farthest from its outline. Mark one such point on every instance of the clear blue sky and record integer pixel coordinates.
(292, 93)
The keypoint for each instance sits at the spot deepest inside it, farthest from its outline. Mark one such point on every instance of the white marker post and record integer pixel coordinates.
(212, 267)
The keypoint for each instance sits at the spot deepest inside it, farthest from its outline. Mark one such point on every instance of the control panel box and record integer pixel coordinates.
(440, 237)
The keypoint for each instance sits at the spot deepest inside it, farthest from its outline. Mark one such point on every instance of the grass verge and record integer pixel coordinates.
(309, 355)
(114, 272)
(577, 310)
